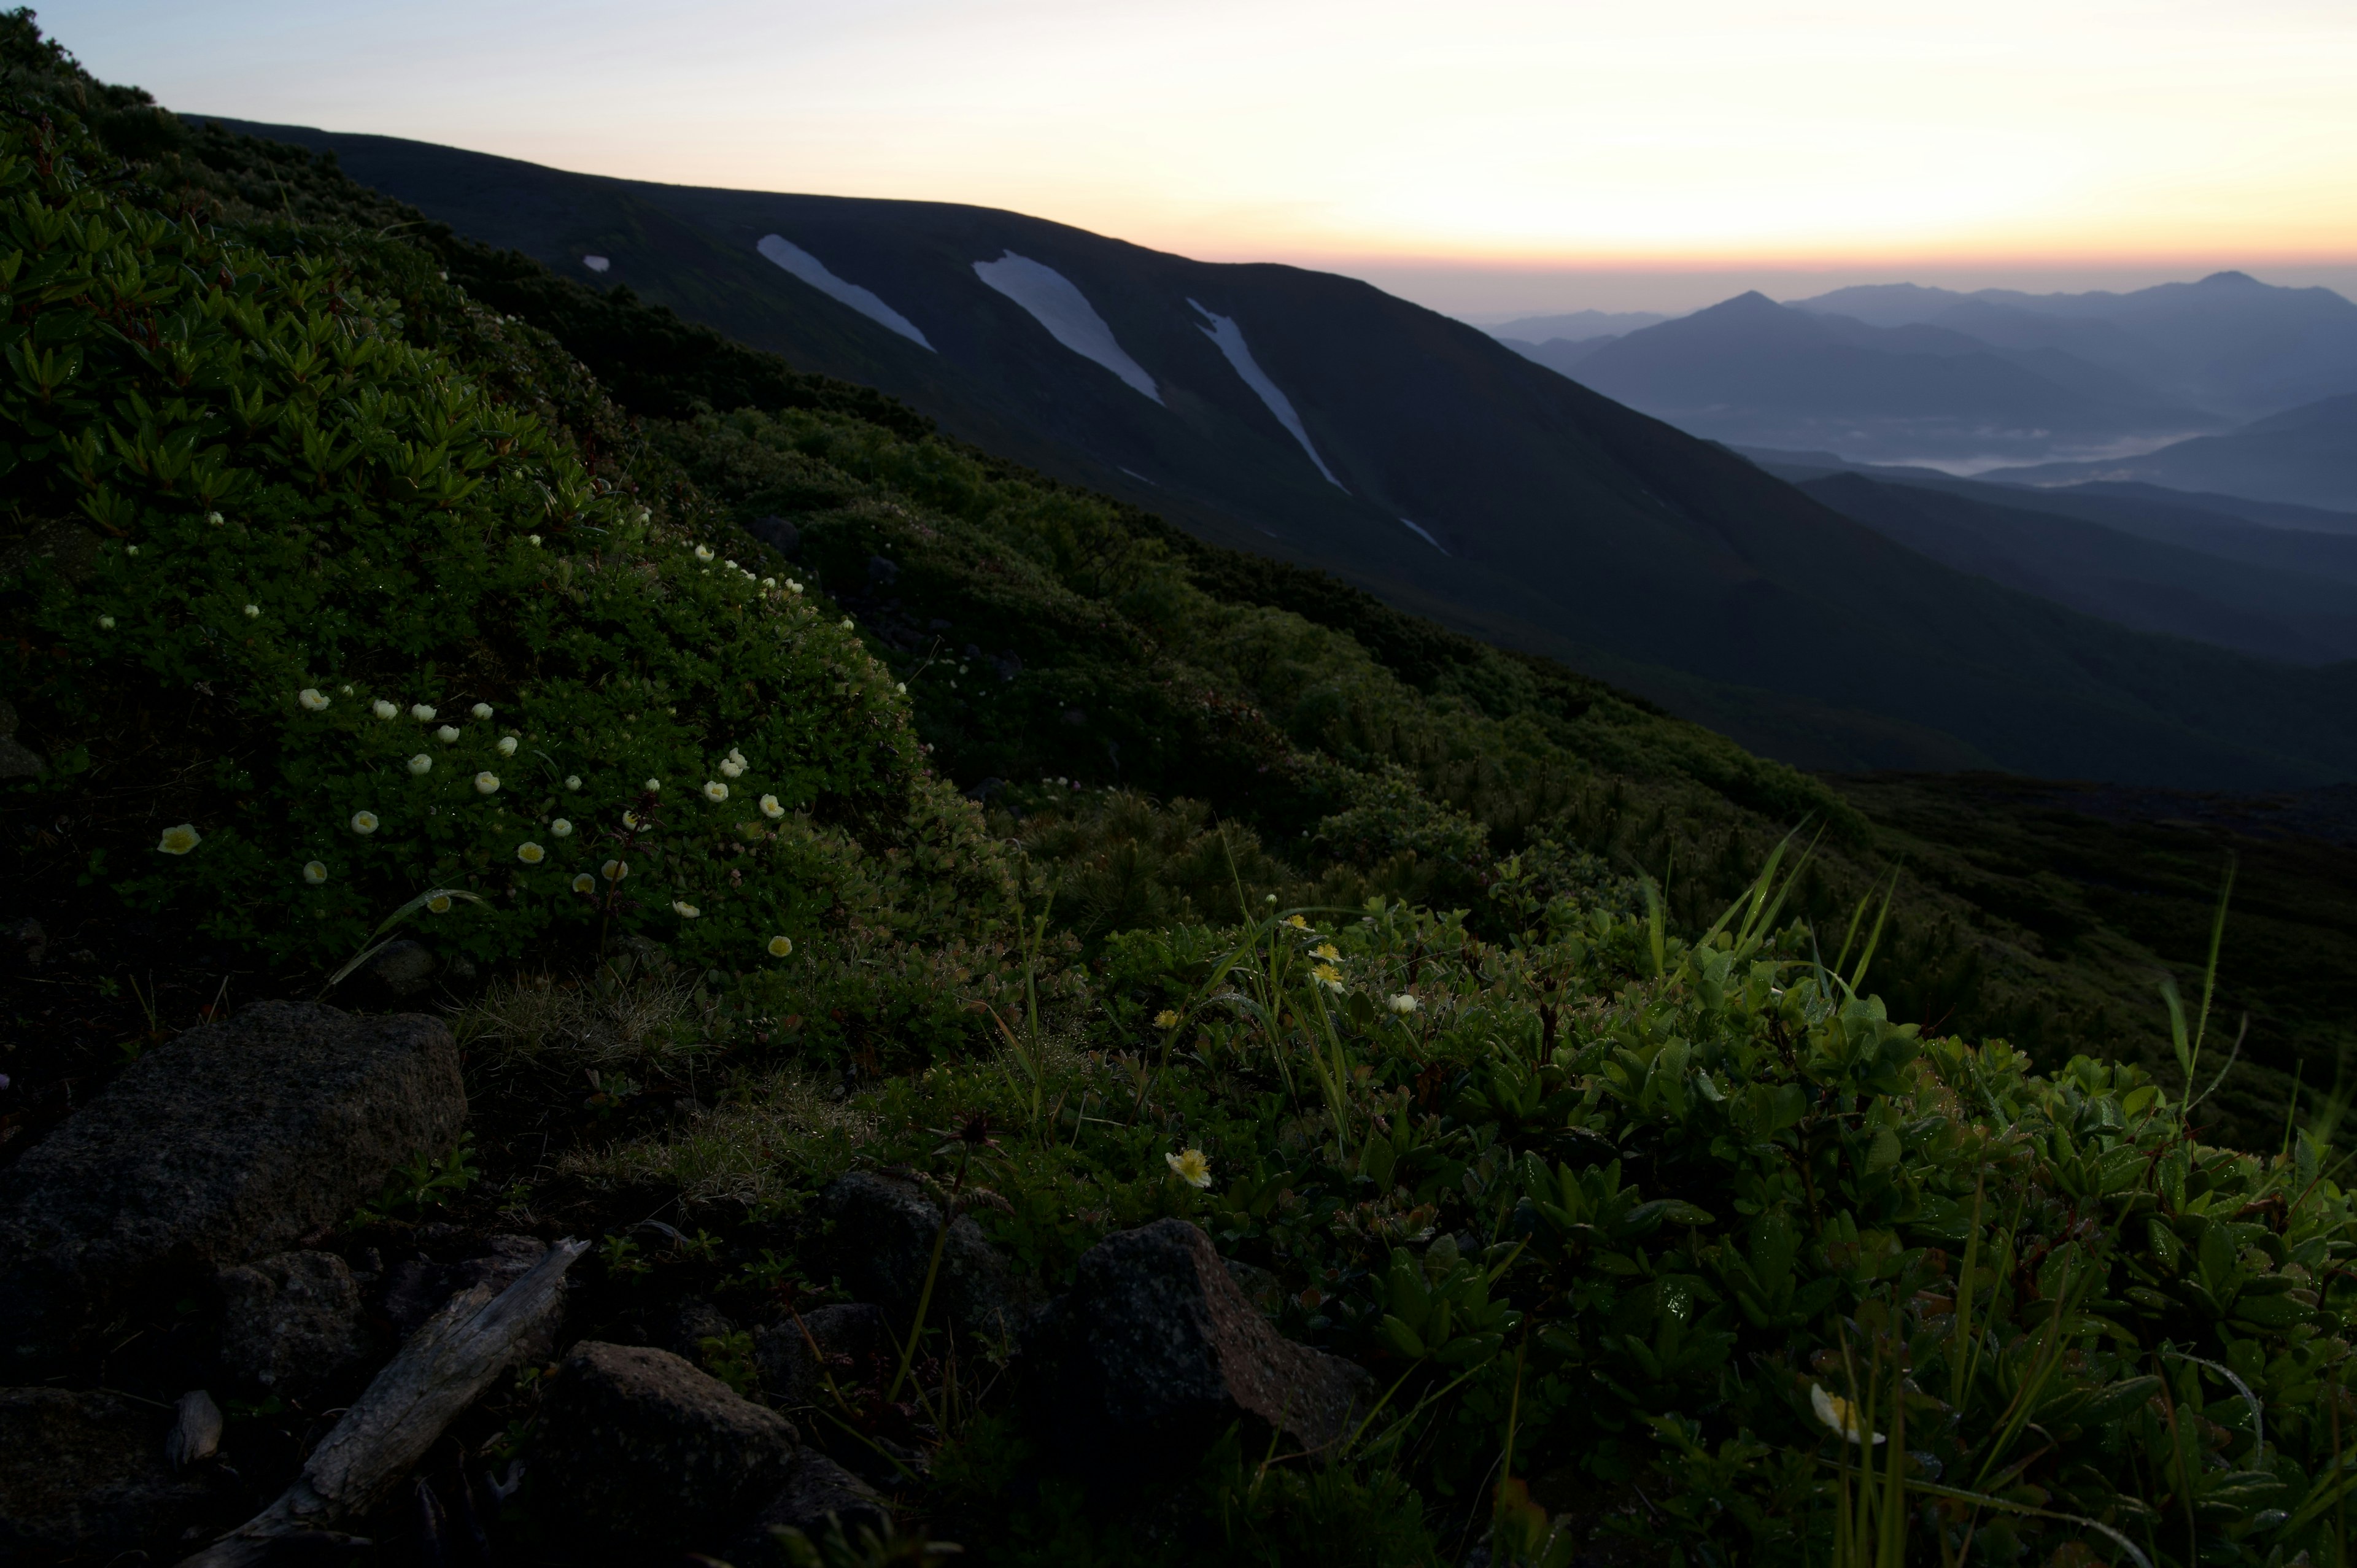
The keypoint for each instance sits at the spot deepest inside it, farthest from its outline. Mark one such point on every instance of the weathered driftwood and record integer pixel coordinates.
(437, 1374)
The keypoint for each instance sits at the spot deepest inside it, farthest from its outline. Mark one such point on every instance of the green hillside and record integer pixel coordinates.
(820, 792)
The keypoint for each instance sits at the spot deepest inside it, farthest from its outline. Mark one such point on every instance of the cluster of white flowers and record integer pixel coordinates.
(422, 713)
(482, 710)
(383, 709)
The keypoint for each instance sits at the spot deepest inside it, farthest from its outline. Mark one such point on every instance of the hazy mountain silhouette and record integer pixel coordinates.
(1315, 418)
(2306, 456)
(1578, 327)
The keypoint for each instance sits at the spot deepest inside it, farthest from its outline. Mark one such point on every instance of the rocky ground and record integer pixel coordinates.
(233, 1334)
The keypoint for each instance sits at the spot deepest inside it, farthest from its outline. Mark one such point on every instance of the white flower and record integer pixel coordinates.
(573, 782)
(630, 818)
(703, 552)
(585, 883)
(793, 586)
(614, 870)
(1402, 1004)
(715, 790)
(731, 768)
(531, 854)
(482, 710)
(901, 687)
(732, 565)
(310, 698)
(487, 783)
(846, 623)
(560, 829)
(535, 539)
(420, 764)
(685, 910)
(652, 786)
(439, 903)
(770, 809)
(315, 873)
(781, 946)
(214, 518)
(364, 822)
(106, 623)
(447, 733)
(507, 746)
(769, 582)
(421, 712)
(180, 840)
(251, 611)
(736, 757)
(1840, 1414)
(347, 690)
(131, 550)
(383, 709)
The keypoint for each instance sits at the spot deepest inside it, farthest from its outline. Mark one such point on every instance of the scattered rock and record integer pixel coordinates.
(1156, 1351)
(815, 1490)
(777, 534)
(291, 1323)
(404, 968)
(853, 1340)
(413, 1292)
(684, 1330)
(231, 1141)
(88, 1470)
(883, 1242)
(639, 1448)
(195, 1432)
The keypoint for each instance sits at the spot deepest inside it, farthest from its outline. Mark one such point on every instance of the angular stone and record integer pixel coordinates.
(230, 1141)
(883, 1243)
(404, 968)
(88, 1470)
(1157, 1351)
(291, 1323)
(817, 1491)
(854, 1346)
(640, 1449)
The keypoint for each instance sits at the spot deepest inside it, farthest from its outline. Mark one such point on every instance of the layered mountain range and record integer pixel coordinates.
(1314, 418)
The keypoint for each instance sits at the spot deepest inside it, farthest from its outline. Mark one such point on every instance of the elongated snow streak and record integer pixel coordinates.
(813, 272)
(1429, 538)
(1230, 337)
(1054, 302)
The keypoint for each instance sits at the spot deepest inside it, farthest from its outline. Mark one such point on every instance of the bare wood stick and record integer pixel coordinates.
(438, 1373)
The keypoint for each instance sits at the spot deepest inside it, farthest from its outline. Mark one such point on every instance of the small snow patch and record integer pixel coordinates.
(1054, 302)
(813, 272)
(596, 264)
(1140, 478)
(1429, 538)
(1230, 337)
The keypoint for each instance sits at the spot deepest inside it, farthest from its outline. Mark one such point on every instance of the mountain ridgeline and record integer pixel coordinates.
(1315, 420)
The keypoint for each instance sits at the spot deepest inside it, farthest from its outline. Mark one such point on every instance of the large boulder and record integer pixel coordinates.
(817, 1492)
(292, 1323)
(1157, 1351)
(641, 1451)
(850, 1342)
(89, 1470)
(882, 1244)
(231, 1142)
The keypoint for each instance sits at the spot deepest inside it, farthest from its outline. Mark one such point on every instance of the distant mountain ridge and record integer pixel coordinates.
(1421, 460)
(2302, 456)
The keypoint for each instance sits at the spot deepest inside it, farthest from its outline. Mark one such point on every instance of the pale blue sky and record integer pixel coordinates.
(1490, 156)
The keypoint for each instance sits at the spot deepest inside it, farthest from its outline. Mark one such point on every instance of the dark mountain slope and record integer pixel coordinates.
(2305, 455)
(1573, 526)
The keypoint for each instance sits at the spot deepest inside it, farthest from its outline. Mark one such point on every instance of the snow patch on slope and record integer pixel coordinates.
(1429, 538)
(813, 272)
(1230, 337)
(1054, 302)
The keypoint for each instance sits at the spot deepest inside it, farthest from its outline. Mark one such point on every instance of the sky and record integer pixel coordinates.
(1486, 158)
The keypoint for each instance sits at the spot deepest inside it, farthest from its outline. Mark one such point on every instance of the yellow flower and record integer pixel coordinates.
(1297, 922)
(1328, 976)
(770, 809)
(1165, 1019)
(715, 790)
(685, 910)
(585, 883)
(1326, 951)
(1191, 1166)
(439, 903)
(487, 783)
(315, 873)
(531, 854)
(1841, 1415)
(363, 821)
(180, 840)
(781, 946)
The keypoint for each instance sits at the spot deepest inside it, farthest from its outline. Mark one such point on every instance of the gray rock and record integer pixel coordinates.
(817, 1492)
(1156, 1351)
(639, 1449)
(229, 1142)
(292, 1323)
(88, 1470)
(404, 968)
(852, 1343)
(883, 1242)
(195, 1432)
